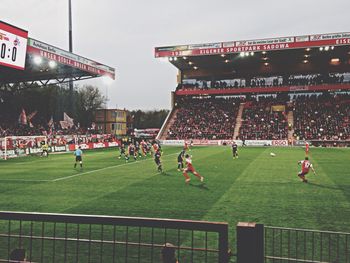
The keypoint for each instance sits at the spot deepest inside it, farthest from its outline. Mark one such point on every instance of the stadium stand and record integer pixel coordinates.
(322, 117)
(261, 122)
(271, 81)
(211, 118)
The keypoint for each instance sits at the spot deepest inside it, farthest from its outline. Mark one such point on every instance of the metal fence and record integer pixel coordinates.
(302, 245)
(84, 238)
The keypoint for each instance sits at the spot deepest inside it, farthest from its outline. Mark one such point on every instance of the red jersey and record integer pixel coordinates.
(305, 166)
(155, 147)
(189, 164)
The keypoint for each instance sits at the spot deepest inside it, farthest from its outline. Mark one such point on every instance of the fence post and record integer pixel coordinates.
(250, 242)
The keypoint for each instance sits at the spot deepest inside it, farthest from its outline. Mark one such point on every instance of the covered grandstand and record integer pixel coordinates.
(25, 60)
(275, 90)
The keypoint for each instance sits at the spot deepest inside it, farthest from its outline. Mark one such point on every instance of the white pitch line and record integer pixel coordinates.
(25, 180)
(105, 168)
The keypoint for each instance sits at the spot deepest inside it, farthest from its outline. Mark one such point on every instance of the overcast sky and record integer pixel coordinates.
(123, 34)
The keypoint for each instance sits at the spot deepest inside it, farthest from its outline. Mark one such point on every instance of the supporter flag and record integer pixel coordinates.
(64, 125)
(31, 116)
(22, 119)
(50, 123)
(68, 120)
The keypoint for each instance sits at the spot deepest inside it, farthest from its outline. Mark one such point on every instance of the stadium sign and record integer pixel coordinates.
(13, 46)
(64, 57)
(258, 142)
(269, 44)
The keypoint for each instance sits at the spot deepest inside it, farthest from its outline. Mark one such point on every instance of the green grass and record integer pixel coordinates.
(254, 188)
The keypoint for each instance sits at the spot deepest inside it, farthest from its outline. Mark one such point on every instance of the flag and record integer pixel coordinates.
(22, 119)
(68, 120)
(50, 123)
(31, 116)
(64, 125)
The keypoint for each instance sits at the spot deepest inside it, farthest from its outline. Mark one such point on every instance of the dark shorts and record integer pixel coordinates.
(180, 160)
(302, 173)
(78, 158)
(157, 161)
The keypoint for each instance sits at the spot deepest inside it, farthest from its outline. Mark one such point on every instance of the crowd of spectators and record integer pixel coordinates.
(323, 117)
(261, 122)
(10, 129)
(272, 81)
(211, 118)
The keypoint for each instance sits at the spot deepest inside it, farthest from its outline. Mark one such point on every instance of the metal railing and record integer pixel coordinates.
(303, 245)
(84, 238)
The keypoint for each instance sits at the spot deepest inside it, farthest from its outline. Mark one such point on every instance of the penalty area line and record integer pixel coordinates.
(102, 169)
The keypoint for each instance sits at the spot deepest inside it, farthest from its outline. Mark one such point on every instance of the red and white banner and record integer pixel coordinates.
(64, 57)
(268, 44)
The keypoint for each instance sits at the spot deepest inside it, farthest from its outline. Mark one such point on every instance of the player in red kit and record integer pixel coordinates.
(305, 167)
(306, 148)
(190, 169)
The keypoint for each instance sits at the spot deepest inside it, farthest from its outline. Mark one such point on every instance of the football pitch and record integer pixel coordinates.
(254, 188)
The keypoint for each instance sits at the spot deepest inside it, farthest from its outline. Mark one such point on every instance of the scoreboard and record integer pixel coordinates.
(13, 46)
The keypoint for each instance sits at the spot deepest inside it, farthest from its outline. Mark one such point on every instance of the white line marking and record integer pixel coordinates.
(25, 180)
(109, 167)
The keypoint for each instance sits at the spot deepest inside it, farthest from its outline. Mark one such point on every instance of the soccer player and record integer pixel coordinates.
(180, 160)
(122, 151)
(131, 151)
(137, 149)
(186, 147)
(143, 148)
(157, 160)
(234, 150)
(190, 169)
(306, 148)
(78, 153)
(305, 167)
(45, 149)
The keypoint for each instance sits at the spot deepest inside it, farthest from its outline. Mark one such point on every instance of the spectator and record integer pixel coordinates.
(168, 253)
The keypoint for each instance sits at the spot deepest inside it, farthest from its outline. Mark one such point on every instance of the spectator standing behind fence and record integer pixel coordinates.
(18, 255)
(168, 253)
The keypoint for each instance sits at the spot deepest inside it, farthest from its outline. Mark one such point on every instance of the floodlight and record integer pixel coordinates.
(38, 60)
(52, 64)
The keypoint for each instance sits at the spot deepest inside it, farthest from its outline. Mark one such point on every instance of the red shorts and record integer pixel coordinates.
(190, 169)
